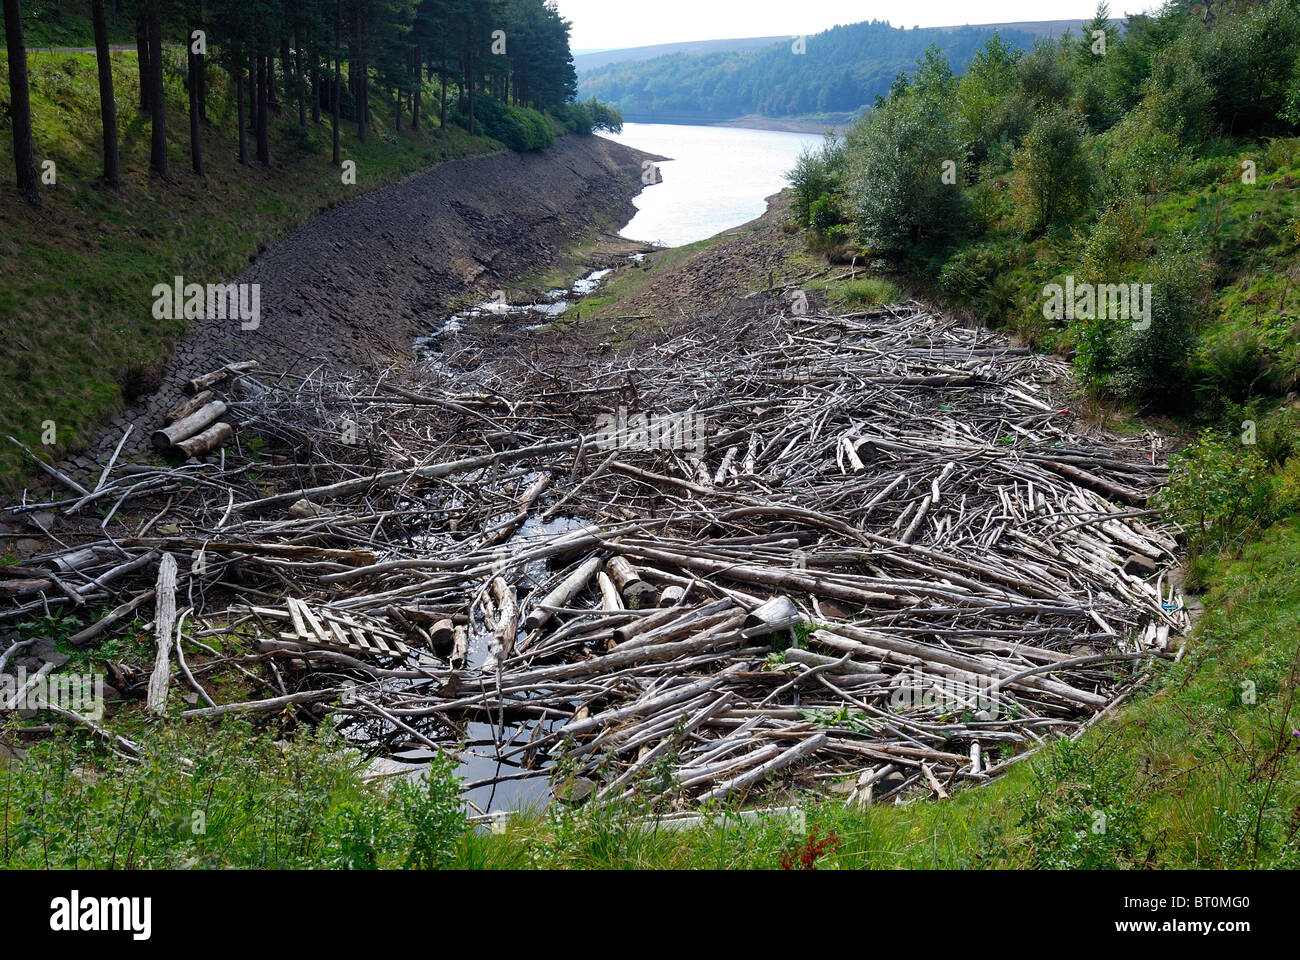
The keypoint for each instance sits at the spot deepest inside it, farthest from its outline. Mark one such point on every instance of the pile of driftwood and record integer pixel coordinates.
(860, 553)
(195, 426)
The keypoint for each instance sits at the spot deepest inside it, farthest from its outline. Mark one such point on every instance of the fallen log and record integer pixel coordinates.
(196, 422)
(164, 626)
(207, 441)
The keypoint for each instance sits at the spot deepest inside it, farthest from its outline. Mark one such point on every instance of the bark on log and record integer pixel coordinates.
(569, 588)
(201, 383)
(189, 406)
(636, 592)
(207, 441)
(183, 429)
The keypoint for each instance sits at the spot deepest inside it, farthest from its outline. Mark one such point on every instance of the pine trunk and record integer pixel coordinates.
(107, 104)
(142, 56)
(20, 108)
(196, 105)
(335, 106)
(157, 102)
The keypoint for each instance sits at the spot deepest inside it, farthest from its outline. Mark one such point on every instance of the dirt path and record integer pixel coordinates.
(358, 282)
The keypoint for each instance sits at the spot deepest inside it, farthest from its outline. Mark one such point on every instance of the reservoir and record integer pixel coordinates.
(718, 178)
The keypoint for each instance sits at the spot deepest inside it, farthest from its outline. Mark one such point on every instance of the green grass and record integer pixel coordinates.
(67, 23)
(76, 278)
(860, 293)
(221, 797)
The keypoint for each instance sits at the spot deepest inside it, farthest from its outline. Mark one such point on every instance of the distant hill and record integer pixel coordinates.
(602, 58)
(1039, 28)
(845, 68)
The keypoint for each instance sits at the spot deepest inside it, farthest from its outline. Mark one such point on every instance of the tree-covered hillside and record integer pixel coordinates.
(1130, 201)
(838, 71)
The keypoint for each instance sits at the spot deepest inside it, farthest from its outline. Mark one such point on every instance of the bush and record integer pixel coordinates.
(1286, 491)
(1179, 100)
(1083, 811)
(1219, 491)
(897, 192)
(1291, 108)
(1116, 355)
(1054, 175)
(519, 128)
(817, 174)
(1235, 367)
(576, 118)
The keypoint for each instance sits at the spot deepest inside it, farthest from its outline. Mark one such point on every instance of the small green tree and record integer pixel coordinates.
(1054, 174)
(985, 112)
(1291, 111)
(1218, 491)
(902, 183)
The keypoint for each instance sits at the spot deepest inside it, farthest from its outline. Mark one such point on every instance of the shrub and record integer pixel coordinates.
(1179, 98)
(1082, 811)
(519, 128)
(1118, 237)
(816, 175)
(1234, 366)
(1152, 364)
(139, 381)
(896, 189)
(1286, 493)
(1054, 175)
(1218, 491)
(1291, 108)
(604, 117)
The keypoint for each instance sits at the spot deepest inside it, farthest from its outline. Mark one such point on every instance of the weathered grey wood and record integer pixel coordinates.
(198, 421)
(210, 439)
(164, 628)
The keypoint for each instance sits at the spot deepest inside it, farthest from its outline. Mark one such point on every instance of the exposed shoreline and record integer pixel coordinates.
(355, 284)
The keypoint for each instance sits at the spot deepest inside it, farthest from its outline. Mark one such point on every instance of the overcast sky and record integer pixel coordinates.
(602, 24)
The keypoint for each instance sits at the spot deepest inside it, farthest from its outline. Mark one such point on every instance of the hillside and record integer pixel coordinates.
(584, 62)
(843, 69)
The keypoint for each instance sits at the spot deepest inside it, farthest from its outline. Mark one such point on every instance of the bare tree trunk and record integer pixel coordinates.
(107, 104)
(442, 111)
(473, 62)
(21, 105)
(157, 102)
(419, 82)
(337, 97)
(142, 56)
(271, 96)
(242, 124)
(315, 87)
(203, 73)
(361, 85)
(301, 80)
(195, 61)
(263, 95)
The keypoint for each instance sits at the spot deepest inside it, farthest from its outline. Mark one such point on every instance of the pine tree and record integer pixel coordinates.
(21, 105)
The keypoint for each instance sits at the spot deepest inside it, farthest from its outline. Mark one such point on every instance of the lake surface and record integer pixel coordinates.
(718, 178)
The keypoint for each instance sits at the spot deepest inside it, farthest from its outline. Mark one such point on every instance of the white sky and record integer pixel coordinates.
(603, 24)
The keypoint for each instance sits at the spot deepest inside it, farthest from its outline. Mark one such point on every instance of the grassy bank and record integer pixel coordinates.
(76, 281)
